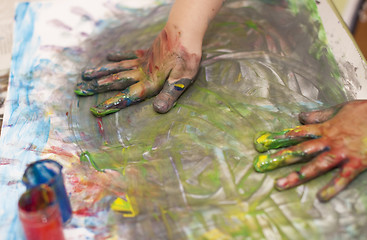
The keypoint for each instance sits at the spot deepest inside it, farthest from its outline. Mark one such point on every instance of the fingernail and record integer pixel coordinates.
(83, 89)
(262, 163)
(261, 141)
(163, 103)
(281, 183)
(161, 106)
(87, 74)
(101, 112)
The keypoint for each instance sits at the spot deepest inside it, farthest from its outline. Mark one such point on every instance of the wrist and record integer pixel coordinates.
(189, 20)
(185, 37)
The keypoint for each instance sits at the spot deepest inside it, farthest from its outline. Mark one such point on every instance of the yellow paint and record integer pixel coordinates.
(215, 234)
(263, 158)
(128, 206)
(165, 221)
(125, 162)
(49, 113)
(263, 138)
(179, 85)
(238, 78)
(291, 129)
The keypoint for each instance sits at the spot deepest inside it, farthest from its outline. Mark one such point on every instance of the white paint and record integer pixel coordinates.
(343, 46)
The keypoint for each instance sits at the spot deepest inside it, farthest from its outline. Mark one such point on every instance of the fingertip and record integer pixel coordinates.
(87, 75)
(101, 112)
(281, 184)
(84, 89)
(262, 163)
(303, 117)
(324, 195)
(260, 140)
(163, 103)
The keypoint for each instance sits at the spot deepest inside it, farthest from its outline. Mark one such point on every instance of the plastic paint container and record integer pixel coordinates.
(49, 172)
(40, 215)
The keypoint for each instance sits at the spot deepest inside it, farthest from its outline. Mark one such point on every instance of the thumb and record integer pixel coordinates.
(319, 116)
(171, 91)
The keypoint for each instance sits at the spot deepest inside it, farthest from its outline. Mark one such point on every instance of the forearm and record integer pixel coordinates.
(189, 20)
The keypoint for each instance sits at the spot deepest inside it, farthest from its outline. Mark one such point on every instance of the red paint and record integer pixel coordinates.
(100, 126)
(101, 129)
(40, 214)
(12, 182)
(84, 212)
(6, 161)
(59, 151)
(36, 228)
(140, 53)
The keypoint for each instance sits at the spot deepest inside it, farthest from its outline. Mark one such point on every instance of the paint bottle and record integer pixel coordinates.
(40, 215)
(49, 172)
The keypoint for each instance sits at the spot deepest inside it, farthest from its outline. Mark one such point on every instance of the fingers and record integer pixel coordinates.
(165, 100)
(321, 164)
(265, 141)
(348, 172)
(319, 116)
(108, 69)
(300, 152)
(120, 56)
(111, 82)
(131, 95)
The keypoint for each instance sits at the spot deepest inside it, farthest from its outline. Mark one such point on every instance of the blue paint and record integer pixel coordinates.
(29, 123)
(178, 87)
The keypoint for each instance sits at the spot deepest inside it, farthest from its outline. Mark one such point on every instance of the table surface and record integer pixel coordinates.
(347, 56)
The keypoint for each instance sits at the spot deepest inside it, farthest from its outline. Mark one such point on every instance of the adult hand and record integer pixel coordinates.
(332, 138)
(142, 74)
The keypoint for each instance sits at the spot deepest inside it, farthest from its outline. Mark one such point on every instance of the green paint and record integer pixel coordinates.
(100, 112)
(301, 176)
(266, 162)
(265, 141)
(220, 111)
(81, 92)
(87, 157)
(251, 24)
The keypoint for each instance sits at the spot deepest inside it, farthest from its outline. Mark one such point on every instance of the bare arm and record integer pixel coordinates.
(189, 19)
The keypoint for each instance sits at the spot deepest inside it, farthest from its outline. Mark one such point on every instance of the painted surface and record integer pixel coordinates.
(186, 174)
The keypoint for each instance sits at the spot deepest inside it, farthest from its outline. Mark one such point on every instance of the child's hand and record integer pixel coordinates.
(332, 138)
(143, 74)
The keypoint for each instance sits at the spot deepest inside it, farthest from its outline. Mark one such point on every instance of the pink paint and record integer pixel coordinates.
(101, 129)
(6, 161)
(84, 212)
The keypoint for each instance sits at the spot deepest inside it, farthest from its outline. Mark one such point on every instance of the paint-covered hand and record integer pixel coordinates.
(166, 69)
(332, 138)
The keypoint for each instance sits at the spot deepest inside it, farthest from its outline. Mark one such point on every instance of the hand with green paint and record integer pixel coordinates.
(166, 69)
(331, 138)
